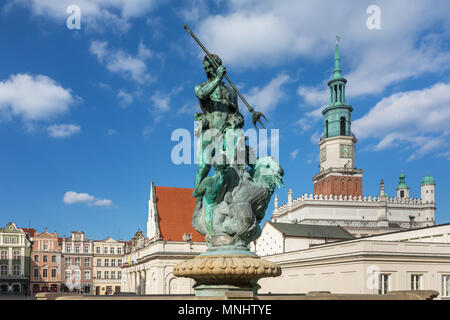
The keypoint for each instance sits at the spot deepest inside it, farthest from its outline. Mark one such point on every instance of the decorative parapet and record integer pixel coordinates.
(362, 223)
(365, 199)
(343, 223)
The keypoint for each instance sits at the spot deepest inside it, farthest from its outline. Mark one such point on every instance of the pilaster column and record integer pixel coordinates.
(148, 281)
(143, 280)
(138, 282)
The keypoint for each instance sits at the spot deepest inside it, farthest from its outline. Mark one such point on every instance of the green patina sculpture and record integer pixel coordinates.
(232, 202)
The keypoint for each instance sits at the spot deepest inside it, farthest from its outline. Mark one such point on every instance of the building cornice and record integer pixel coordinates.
(338, 172)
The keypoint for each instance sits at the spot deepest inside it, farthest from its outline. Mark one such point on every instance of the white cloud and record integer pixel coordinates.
(119, 61)
(125, 98)
(63, 130)
(34, 97)
(143, 51)
(265, 33)
(193, 11)
(161, 103)
(314, 96)
(96, 15)
(315, 137)
(417, 119)
(71, 197)
(98, 48)
(147, 131)
(112, 132)
(265, 99)
(294, 154)
(189, 108)
(306, 123)
(103, 203)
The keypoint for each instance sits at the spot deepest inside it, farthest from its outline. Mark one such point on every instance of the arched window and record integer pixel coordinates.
(342, 126)
(326, 129)
(402, 194)
(335, 94)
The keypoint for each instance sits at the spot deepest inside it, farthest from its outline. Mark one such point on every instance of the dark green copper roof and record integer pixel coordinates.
(312, 231)
(427, 180)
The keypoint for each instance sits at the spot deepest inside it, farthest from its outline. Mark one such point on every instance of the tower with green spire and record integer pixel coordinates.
(338, 174)
(337, 115)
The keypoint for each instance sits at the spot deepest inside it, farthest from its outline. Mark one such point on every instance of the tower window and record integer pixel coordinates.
(326, 129)
(342, 126)
(402, 194)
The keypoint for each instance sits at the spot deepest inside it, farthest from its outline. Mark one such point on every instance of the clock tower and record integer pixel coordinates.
(338, 174)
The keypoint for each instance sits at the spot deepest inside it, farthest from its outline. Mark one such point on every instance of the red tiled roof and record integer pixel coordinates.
(30, 231)
(175, 208)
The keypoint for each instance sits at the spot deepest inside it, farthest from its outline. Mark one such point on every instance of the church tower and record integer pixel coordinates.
(402, 187)
(338, 174)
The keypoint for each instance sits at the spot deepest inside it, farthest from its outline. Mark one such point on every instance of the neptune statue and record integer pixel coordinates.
(233, 189)
(232, 202)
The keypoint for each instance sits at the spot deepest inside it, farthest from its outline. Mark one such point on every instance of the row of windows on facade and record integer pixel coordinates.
(416, 283)
(87, 261)
(106, 262)
(45, 246)
(4, 255)
(87, 274)
(15, 270)
(77, 261)
(44, 273)
(13, 240)
(106, 250)
(110, 250)
(44, 258)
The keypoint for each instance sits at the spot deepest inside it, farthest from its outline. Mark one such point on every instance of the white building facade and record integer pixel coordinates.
(171, 238)
(362, 215)
(150, 270)
(407, 260)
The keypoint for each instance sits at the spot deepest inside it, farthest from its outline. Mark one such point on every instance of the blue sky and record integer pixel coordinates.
(86, 115)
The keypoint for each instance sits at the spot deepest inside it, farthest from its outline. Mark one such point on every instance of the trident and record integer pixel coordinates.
(256, 116)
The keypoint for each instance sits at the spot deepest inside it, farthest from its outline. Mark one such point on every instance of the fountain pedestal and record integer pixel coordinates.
(226, 275)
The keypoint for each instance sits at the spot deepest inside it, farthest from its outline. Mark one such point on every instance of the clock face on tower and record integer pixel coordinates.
(345, 151)
(323, 154)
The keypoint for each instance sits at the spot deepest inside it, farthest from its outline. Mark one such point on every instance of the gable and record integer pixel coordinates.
(12, 228)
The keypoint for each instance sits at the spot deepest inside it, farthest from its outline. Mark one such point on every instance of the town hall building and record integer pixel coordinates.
(337, 199)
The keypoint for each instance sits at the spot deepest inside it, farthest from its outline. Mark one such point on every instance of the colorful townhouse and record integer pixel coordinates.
(15, 247)
(77, 253)
(45, 264)
(108, 256)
